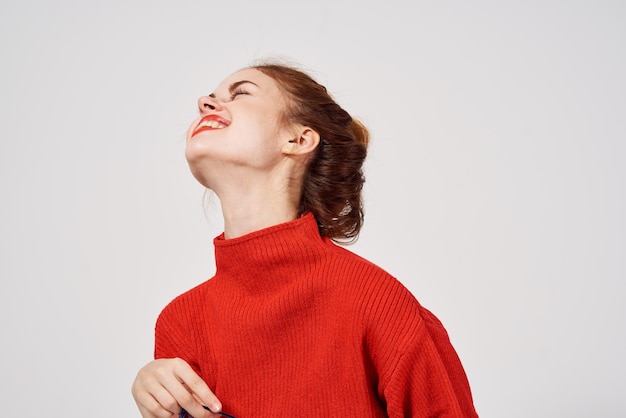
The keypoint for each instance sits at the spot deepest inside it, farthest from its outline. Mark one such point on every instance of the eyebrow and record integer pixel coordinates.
(234, 86)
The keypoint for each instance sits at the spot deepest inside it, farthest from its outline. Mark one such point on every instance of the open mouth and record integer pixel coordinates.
(210, 123)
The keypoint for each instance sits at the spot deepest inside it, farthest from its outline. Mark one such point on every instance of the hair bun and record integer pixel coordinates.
(360, 132)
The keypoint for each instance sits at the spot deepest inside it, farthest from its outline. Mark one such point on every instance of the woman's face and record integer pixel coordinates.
(240, 126)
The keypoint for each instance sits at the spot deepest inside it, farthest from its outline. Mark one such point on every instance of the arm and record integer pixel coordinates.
(419, 372)
(428, 379)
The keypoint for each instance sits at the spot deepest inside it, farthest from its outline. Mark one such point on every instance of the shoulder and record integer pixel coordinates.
(395, 321)
(389, 306)
(183, 306)
(366, 275)
(347, 261)
(381, 297)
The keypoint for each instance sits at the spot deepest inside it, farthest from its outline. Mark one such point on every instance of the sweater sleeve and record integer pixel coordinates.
(428, 379)
(420, 373)
(173, 335)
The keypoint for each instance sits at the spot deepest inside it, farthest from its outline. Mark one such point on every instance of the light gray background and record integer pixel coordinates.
(495, 187)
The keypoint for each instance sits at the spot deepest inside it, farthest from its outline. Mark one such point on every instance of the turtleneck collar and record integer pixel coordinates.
(271, 256)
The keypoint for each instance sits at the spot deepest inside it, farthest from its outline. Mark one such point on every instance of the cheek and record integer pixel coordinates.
(262, 133)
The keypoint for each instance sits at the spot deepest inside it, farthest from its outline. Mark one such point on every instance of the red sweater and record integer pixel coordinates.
(292, 325)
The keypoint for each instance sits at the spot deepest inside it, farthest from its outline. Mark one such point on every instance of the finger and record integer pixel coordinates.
(151, 408)
(172, 393)
(217, 414)
(166, 400)
(198, 387)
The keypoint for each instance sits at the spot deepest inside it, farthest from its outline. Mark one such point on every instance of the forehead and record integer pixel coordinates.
(253, 75)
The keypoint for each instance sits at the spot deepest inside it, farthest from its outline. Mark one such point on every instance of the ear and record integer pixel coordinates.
(303, 141)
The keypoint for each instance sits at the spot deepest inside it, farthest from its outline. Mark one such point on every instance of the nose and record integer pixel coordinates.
(207, 103)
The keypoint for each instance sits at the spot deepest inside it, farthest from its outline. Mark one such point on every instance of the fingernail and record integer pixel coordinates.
(215, 407)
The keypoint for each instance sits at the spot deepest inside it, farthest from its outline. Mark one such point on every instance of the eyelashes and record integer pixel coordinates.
(238, 91)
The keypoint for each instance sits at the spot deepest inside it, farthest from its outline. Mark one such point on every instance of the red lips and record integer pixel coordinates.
(202, 125)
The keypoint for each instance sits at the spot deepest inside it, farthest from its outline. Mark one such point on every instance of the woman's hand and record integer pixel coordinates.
(163, 387)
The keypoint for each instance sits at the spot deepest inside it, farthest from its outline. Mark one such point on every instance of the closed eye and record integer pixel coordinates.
(238, 91)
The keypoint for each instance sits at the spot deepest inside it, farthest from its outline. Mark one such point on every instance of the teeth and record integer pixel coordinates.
(212, 124)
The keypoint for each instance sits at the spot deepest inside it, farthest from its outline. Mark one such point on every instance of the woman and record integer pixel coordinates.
(293, 324)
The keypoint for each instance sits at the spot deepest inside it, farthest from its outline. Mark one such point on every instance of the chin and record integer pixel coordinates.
(203, 169)
(201, 177)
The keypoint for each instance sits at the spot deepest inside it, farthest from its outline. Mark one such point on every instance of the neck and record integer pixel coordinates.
(251, 207)
(241, 218)
(254, 199)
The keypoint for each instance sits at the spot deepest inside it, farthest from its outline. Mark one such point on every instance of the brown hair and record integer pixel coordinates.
(334, 178)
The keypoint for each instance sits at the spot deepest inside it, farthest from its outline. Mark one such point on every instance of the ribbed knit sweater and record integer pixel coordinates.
(293, 325)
